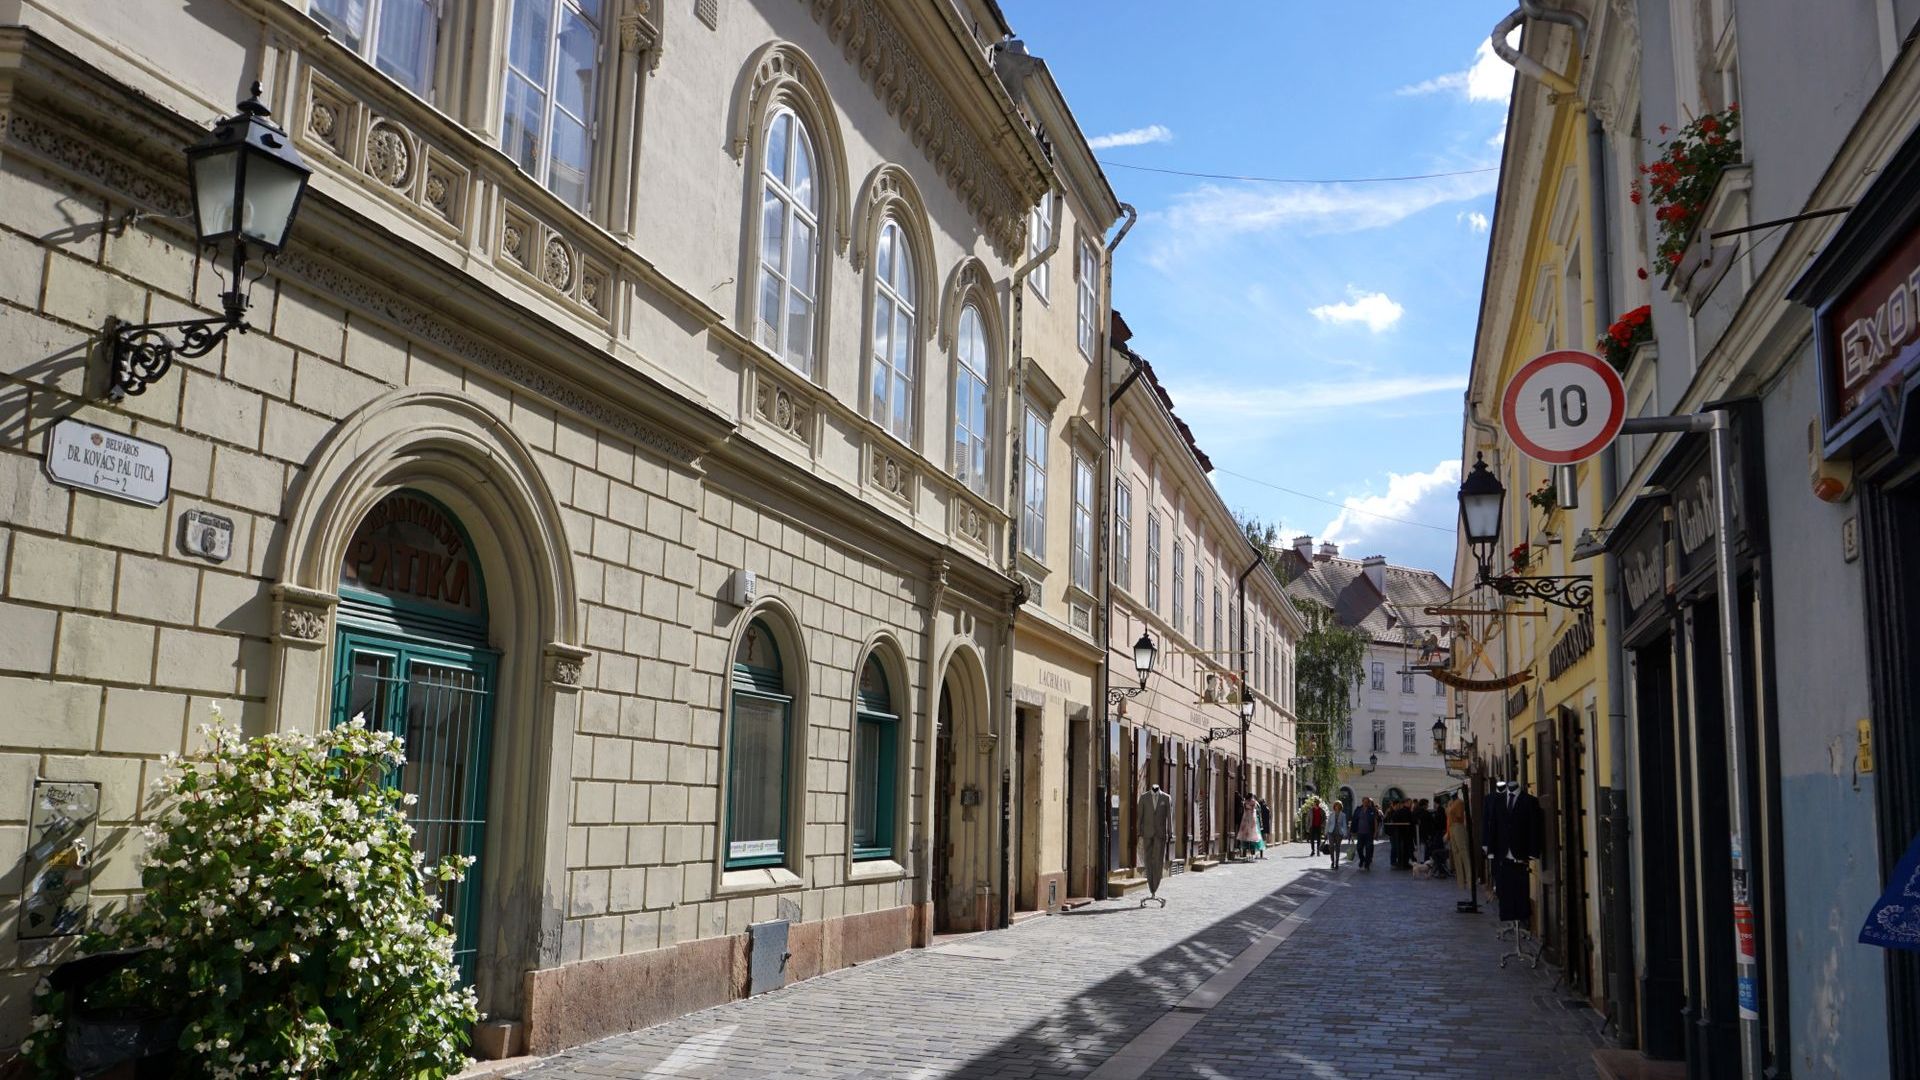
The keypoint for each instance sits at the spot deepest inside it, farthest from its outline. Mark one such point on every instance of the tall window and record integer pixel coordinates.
(875, 753)
(397, 35)
(1379, 675)
(1033, 514)
(1123, 533)
(1153, 561)
(1379, 733)
(1347, 728)
(1087, 297)
(553, 73)
(1259, 659)
(1082, 523)
(893, 304)
(1406, 736)
(1218, 637)
(1179, 586)
(1038, 237)
(758, 752)
(970, 401)
(789, 228)
(1406, 682)
(1199, 606)
(1439, 688)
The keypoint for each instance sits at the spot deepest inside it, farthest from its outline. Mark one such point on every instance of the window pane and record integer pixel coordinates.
(882, 350)
(902, 351)
(405, 46)
(800, 257)
(567, 176)
(756, 777)
(802, 182)
(779, 133)
(773, 231)
(799, 331)
(866, 785)
(903, 407)
(529, 38)
(522, 134)
(574, 83)
(883, 254)
(344, 19)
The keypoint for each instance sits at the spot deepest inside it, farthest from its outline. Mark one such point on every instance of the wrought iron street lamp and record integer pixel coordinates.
(248, 182)
(1145, 652)
(1482, 504)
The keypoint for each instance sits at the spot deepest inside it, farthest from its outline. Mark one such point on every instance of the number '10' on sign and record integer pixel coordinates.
(1563, 407)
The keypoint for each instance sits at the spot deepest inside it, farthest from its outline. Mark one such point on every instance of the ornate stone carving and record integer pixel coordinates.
(302, 613)
(512, 243)
(972, 525)
(323, 120)
(566, 664)
(304, 624)
(388, 158)
(567, 672)
(88, 159)
(437, 192)
(892, 477)
(556, 268)
(638, 30)
(779, 407)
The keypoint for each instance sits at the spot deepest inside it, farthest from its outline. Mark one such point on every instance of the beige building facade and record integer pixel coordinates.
(650, 428)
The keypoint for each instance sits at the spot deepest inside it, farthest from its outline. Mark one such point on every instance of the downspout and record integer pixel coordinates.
(930, 760)
(1016, 486)
(1102, 680)
(1240, 591)
(1525, 64)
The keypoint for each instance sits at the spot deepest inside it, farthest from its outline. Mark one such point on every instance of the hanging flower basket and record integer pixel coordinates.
(1619, 344)
(1522, 556)
(1546, 499)
(1680, 182)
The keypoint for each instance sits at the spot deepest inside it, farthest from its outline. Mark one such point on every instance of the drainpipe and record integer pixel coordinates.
(1103, 680)
(930, 759)
(1016, 487)
(1525, 64)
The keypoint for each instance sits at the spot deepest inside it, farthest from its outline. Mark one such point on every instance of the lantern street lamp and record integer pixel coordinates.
(1440, 735)
(247, 182)
(1482, 504)
(1145, 652)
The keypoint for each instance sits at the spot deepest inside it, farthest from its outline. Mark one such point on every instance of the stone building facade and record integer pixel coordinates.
(546, 372)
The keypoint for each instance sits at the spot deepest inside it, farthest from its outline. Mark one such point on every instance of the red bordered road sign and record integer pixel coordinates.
(1563, 407)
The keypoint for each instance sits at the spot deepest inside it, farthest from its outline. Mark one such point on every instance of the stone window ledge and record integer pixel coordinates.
(759, 879)
(871, 870)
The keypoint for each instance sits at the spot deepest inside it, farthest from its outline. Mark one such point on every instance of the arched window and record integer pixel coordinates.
(876, 752)
(970, 401)
(789, 242)
(552, 90)
(894, 301)
(759, 749)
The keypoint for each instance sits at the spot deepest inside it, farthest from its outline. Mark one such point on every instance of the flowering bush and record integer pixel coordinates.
(1546, 497)
(1628, 333)
(1681, 181)
(287, 921)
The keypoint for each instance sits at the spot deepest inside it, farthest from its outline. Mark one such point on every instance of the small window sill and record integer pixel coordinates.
(759, 879)
(870, 870)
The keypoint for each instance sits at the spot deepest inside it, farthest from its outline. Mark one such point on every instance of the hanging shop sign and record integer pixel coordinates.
(108, 463)
(1574, 644)
(1894, 920)
(1563, 407)
(1516, 703)
(407, 549)
(1461, 682)
(1643, 570)
(1869, 345)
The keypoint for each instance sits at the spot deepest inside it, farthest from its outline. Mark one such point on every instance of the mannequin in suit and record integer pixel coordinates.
(1153, 823)
(1512, 838)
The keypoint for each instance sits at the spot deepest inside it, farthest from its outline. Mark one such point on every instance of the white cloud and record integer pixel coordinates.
(1293, 401)
(1322, 208)
(1407, 523)
(1488, 78)
(1474, 220)
(1378, 311)
(1152, 133)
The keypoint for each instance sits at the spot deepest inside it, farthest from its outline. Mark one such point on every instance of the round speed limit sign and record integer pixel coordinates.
(1563, 407)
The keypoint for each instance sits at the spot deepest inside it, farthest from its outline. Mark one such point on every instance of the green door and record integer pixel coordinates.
(412, 660)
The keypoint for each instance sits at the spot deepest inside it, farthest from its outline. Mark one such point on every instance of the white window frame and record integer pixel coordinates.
(372, 35)
(1123, 534)
(1406, 682)
(1378, 676)
(1039, 236)
(542, 173)
(1409, 738)
(1218, 637)
(1153, 561)
(895, 299)
(1087, 297)
(1179, 585)
(1035, 434)
(970, 367)
(1199, 606)
(1082, 556)
(777, 337)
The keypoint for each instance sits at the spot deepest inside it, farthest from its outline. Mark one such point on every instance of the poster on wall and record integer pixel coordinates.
(59, 858)
(1894, 920)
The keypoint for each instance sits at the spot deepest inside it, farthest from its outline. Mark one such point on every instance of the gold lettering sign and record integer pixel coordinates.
(409, 549)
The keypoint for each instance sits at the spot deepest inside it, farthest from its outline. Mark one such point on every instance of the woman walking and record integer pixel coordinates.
(1336, 832)
(1251, 842)
(1459, 844)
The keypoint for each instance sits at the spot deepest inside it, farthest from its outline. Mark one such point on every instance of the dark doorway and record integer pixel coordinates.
(1572, 775)
(944, 805)
(1712, 992)
(1662, 993)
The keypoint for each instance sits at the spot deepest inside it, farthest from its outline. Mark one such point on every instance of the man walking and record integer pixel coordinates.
(1366, 823)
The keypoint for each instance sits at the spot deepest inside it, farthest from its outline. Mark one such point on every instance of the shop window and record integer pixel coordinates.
(876, 752)
(759, 749)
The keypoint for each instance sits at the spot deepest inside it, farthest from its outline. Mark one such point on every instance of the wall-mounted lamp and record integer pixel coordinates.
(247, 182)
(1145, 651)
(1483, 500)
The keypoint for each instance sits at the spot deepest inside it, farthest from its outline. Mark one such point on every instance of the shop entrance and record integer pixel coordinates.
(412, 659)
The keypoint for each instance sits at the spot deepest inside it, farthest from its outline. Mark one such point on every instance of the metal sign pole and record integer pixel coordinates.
(1718, 425)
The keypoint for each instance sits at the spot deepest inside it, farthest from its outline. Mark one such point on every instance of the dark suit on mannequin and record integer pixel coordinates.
(1511, 837)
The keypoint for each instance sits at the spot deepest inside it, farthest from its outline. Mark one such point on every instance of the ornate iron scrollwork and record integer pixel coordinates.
(1569, 591)
(142, 353)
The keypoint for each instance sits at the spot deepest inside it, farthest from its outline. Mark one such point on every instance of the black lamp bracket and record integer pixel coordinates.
(1573, 591)
(143, 352)
(1116, 696)
(1221, 733)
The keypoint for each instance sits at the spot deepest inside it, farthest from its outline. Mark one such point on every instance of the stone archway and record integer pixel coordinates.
(965, 805)
(454, 450)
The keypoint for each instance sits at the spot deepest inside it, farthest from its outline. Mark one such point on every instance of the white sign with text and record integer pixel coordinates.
(96, 459)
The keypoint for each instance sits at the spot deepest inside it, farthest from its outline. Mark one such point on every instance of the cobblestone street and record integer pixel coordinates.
(1269, 969)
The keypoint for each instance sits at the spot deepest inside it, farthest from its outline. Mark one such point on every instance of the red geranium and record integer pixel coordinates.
(1626, 335)
(1681, 181)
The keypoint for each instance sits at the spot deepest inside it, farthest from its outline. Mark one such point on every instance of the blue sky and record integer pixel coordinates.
(1315, 336)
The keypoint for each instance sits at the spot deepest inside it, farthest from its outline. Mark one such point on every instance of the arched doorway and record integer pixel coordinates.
(966, 801)
(411, 658)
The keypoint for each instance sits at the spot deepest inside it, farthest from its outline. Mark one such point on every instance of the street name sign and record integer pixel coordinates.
(1563, 407)
(96, 459)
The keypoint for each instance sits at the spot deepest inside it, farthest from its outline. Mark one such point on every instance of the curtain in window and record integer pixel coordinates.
(756, 781)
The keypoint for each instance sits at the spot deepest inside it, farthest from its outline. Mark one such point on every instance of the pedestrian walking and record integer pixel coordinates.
(1399, 835)
(1366, 823)
(1459, 844)
(1251, 842)
(1266, 823)
(1336, 825)
(1316, 822)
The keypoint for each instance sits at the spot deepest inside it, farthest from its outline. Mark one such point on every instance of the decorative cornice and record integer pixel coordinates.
(301, 614)
(566, 665)
(871, 40)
